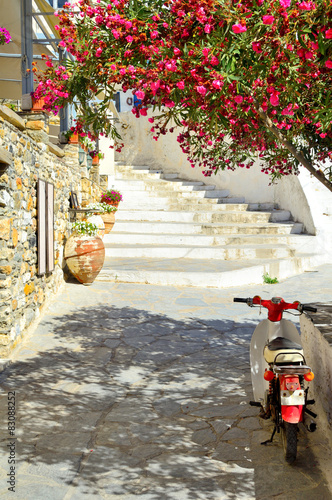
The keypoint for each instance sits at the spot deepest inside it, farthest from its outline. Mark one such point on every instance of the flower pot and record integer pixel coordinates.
(109, 220)
(73, 139)
(111, 202)
(84, 256)
(95, 160)
(38, 104)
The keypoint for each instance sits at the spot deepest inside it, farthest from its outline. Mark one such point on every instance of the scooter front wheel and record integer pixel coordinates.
(289, 441)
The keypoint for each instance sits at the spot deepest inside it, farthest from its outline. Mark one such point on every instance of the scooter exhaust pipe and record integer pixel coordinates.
(310, 425)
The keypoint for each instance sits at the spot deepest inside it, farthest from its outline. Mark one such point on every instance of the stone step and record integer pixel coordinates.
(201, 235)
(194, 247)
(160, 191)
(124, 185)
(172, 227)
(202, 273)
(207, 218)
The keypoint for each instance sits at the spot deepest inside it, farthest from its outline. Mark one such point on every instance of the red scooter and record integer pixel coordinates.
(279, 372)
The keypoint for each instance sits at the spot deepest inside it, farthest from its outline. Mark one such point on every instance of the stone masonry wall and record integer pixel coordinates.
(23, 160)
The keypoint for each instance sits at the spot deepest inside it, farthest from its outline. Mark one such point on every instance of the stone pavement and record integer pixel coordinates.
(128, 391)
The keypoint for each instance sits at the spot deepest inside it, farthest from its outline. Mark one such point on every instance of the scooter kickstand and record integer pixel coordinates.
(271, 438)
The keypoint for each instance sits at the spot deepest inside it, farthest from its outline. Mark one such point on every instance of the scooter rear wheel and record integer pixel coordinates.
(289, 441)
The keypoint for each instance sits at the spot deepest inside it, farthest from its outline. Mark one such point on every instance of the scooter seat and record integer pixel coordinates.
(285, 350)
(283, 343)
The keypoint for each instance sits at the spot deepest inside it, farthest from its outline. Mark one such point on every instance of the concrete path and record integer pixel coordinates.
(128, 391)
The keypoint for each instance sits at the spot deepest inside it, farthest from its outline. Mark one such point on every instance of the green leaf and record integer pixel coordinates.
(321, 44)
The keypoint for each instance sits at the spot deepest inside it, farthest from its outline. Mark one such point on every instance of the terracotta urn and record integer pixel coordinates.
(109, 220)
(84, 256)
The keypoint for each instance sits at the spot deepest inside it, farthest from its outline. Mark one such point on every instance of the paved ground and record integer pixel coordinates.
(141, 392)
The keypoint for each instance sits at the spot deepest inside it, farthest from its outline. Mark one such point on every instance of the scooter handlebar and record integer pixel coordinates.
(237, 299)
(309, 308)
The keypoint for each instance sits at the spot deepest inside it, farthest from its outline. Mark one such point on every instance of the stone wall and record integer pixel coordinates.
(316, 335)
(25, 156)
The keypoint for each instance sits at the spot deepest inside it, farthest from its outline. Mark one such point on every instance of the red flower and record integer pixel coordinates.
(268, 19)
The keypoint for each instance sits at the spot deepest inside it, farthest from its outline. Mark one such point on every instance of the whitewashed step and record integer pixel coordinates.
(181, 250)
(126, 185)
(202, 273)
(161, 191)
(206, 218)
(196, 235)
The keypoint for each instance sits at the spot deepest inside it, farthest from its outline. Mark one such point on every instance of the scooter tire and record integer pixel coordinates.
(289, 441)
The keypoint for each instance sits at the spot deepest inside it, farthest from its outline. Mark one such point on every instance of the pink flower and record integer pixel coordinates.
(256, 46)
(214, 61)
(205, 51)
(154, 34)
(99, 52)
(201, 90)
(207, 28)
(268, 19)
(306, 6)
(328, 33)
(128, 24)
(169, 103)
(238, 28)
(274, 99)
(285, 3)
(309, 55)
(328, 63)
(113, 67)
(151, 120)
(238, 99)
(176, 51)
(140, 94)
(217, 84)
(143, 111)
(322, 135)
(116, 34)
(180, 85)
(129, 38)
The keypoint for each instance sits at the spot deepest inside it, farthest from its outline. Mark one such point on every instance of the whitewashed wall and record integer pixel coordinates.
(307, 199)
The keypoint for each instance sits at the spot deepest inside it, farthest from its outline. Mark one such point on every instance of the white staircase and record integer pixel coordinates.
(170, 231)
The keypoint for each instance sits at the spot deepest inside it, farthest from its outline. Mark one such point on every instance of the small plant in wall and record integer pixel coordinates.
(84, 228)
(270, 281)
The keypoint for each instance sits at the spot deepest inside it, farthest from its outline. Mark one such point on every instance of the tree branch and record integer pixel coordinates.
(297, 154)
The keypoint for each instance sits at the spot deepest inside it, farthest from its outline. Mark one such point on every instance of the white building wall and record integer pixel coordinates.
(306, 198)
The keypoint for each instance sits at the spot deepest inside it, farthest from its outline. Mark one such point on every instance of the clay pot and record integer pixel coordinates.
(113, 203)
(84, 256)
(37, 104)
(95, 160)
(73, 139)
(109, 220)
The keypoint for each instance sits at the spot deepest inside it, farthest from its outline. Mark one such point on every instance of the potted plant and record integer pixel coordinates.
(111, 197)
(96, 156)
(37, 103)
(84, 252)
(106, 212)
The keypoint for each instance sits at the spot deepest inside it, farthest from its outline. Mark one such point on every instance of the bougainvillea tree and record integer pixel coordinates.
(239, 80)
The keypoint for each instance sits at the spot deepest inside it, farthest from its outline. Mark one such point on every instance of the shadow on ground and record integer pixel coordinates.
(122, 403)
